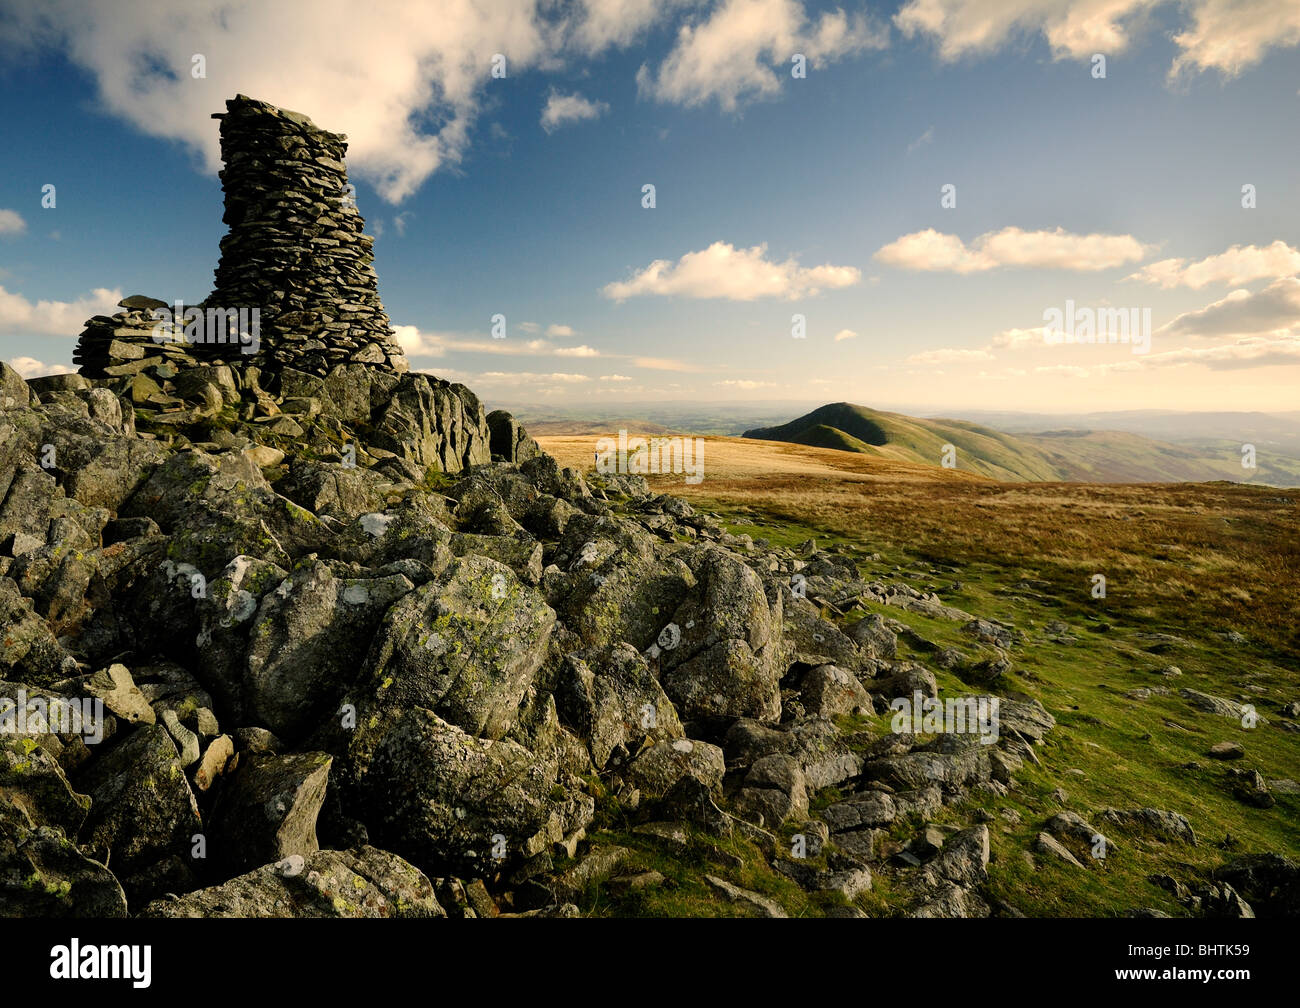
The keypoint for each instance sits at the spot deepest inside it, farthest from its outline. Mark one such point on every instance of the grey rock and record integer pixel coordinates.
(359, 883)
(755, 904)
(142, 809)
(1157, 823)
(267, 810)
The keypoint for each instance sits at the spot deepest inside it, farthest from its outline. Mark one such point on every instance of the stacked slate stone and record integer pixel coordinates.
(126, 344)
(295, 250)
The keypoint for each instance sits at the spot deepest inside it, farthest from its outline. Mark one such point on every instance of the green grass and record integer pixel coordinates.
(1107, 750)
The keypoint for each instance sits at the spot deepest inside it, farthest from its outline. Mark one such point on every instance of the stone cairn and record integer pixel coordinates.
(295, 252)
(124, 344)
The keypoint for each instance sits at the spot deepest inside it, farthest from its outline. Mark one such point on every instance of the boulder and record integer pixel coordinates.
(466, 646)
(142, 809)
(267, 810)
(307, 639)
(365, 882)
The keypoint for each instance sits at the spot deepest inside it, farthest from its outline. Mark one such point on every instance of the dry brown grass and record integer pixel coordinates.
(1223, 554)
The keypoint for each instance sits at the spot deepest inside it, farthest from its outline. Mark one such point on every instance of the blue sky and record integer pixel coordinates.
(775, 196)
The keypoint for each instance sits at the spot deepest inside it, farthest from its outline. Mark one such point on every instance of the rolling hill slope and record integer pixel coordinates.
(1092, 456)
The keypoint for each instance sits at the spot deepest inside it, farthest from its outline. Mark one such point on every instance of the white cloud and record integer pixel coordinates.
(1242, 313)
(845, 334)
(1274, 349)
(1011, 339)
(1225, 35)
(379, 74)
(746, 384)
(12, 223)
(497, 377)
(723, 271)
(1232, 35)
(54, 318)
(1238, 265)
(1064, 370)
(1058, 249)
(948, 356)
(419, 343)
(405, 85)
(30, 367)
(660, 364)
(619, 22)
(615, 378)
(559, 331)
(415, 343)
(922, 140)
(561, 109)
(963, 27)
(743, 50)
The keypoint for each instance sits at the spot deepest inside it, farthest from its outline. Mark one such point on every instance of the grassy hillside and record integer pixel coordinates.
(1201, 587)
(1083, 456)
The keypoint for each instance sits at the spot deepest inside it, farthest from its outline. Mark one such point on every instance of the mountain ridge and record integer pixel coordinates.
(1069, 455)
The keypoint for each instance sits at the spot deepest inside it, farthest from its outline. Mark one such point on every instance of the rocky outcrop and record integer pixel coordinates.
(363, 650)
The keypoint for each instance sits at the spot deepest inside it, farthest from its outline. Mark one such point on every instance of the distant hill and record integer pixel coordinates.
(1071, 456)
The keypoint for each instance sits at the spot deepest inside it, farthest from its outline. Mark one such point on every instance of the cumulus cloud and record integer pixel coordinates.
(22, 317)
(1058, 249)
(1064, 370)
(561, 109)
(615, 378)
(404, 85)
(560, 331)
(1274, 349)
(1242, 313)
(724, 271)
(743, 50)
(1224, 35)
(1011, 339)
(845, 334)
(30, 367)
(1073, 27)
(392, 72)
(1233, 35)
(602, 23)
(415, 343)
(746, 384)
(11, 223)
(661, 364)
(497, 377)
(948, 356)
(1238, 265)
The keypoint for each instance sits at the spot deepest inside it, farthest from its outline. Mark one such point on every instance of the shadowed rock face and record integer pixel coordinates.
(295, 249)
